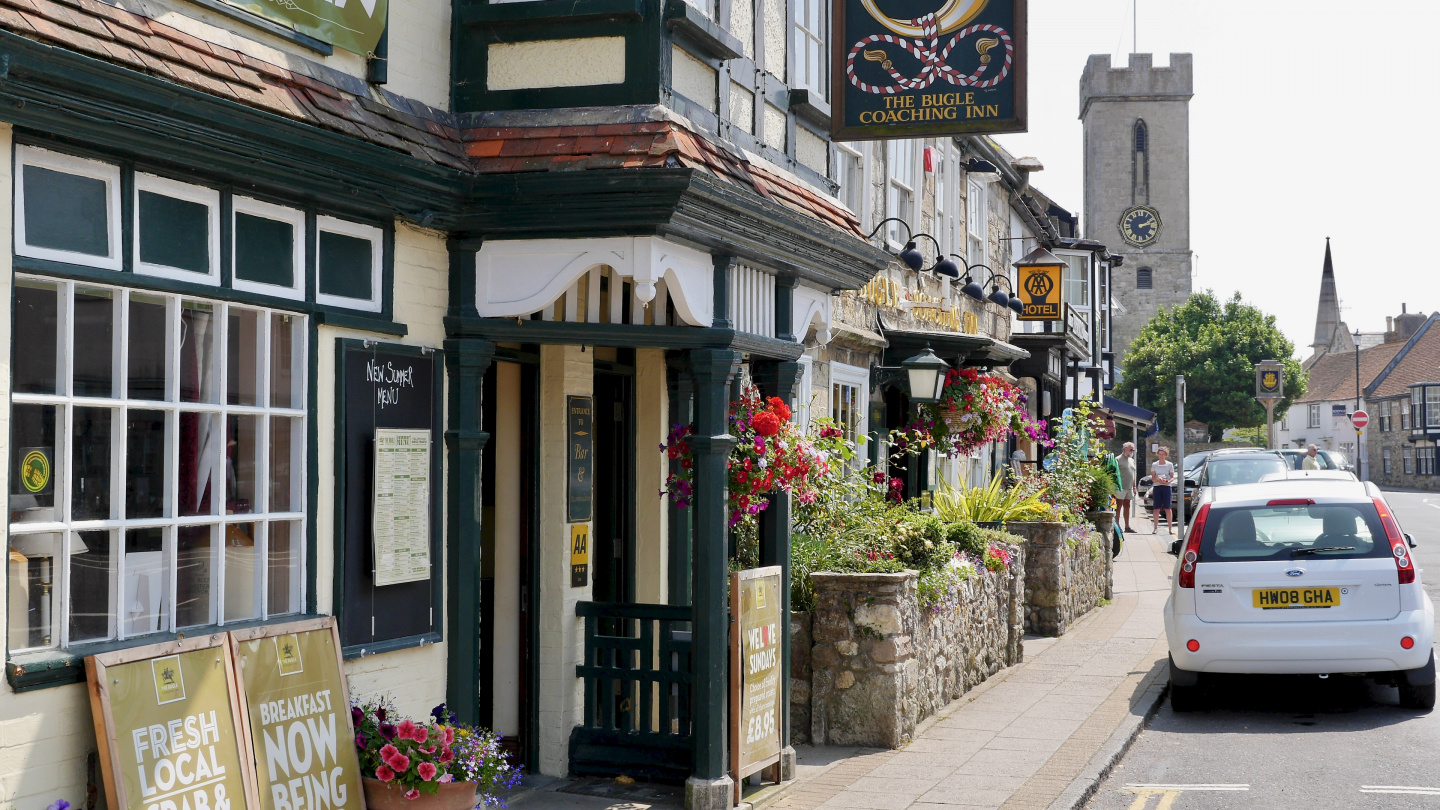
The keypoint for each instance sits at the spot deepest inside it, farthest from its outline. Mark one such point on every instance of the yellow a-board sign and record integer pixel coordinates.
(167, 721)
(254, 719)
(755, 672)
(292, 687)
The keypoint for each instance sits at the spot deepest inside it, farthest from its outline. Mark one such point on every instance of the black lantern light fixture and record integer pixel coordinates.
(926, 373)
(976, 289)
(911, 255)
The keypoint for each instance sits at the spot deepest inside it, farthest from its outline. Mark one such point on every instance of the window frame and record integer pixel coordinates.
(976, 222)
(65, 163)
(1314, 414)
(859, 151)
(67, 528)
(895, 185)
(1385, 463)
(1407, 457)
(859, 379)
(189, 192)
(819, 85)
(370, 233)
(1405, 414)
(1144, 278)
(295, 217)
(1069, 274)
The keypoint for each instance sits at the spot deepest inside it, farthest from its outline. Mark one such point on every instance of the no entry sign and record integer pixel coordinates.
(1359, 419)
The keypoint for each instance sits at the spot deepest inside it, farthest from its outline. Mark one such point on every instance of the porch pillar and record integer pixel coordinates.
(466, 361)
(710, 787)
(682, 412)
(779, 379)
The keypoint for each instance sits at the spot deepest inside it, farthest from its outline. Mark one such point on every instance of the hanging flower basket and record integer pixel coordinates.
(976, 409)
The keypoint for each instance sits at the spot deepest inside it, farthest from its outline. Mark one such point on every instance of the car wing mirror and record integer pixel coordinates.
(1410, 541)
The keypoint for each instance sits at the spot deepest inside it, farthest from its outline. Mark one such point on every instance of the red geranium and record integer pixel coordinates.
(778, 406)
(766, 423)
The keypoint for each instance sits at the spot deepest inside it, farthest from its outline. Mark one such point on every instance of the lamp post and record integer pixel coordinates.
(1359, 465)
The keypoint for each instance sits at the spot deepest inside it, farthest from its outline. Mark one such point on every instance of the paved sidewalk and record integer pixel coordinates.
(1036, 736)
(1024, 738)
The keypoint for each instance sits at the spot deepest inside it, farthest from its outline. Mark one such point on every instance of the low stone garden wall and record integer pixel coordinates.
(879, 664)
(1064, 576)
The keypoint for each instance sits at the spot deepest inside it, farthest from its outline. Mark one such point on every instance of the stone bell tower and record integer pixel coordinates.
(1137, 182)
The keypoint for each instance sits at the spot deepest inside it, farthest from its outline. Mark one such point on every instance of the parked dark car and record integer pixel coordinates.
(1328, 460)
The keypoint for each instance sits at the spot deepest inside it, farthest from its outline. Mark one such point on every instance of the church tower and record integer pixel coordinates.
(1327, 313)
(1137, 183)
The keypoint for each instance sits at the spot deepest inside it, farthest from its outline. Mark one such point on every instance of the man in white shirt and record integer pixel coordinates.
(1162, 477)
(1312, 459)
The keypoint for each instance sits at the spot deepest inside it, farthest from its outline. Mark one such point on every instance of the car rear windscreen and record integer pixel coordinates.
(1225, 472)
(1329, 531)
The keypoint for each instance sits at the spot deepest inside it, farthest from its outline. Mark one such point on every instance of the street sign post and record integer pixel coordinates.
(1359, 419)
(1269, 389)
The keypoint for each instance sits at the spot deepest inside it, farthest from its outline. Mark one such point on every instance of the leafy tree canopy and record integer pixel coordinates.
(1216, 347)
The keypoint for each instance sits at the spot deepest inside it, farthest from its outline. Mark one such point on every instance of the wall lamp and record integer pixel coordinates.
(978, 166)
(912, 257)
(998, 296)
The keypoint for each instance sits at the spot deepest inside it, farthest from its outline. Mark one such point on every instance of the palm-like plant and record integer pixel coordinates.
(993, 503)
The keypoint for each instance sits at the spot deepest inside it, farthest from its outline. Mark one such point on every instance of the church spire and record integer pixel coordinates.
(1327, 315)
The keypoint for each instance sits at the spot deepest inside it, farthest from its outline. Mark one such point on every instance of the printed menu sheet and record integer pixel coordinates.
(402, 506)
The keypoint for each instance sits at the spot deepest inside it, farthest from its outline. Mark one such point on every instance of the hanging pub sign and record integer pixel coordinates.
(1269, 380)
(353, 26)
(914, 68)
(755, 670)
(297, 707)
(1038, 277)
(167, 722)
(580, 493)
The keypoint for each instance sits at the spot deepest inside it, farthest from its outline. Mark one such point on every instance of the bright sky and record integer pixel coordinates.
(1309, 120)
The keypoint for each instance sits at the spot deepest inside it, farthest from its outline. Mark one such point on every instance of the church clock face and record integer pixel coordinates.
(1140, 225)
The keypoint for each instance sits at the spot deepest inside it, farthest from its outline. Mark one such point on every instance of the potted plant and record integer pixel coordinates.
(436, 764)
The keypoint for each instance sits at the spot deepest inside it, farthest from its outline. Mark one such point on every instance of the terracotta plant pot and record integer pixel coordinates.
(390, 796)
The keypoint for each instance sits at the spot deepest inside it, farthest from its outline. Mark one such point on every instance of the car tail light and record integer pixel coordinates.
(1192, 645)
(1404, 566)
(1190, 557)
(1407, 642)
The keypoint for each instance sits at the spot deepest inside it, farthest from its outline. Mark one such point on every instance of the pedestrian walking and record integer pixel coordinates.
(1162, 476)
(1126, 462)
(1312, 459)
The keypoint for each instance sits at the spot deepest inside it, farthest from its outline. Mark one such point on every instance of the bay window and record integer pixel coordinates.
(160, 443)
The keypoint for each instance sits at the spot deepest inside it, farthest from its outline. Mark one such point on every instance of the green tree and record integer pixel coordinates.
(1216, 347)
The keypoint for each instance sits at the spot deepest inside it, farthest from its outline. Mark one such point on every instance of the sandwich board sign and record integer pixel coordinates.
(167, 722)
(755, 672)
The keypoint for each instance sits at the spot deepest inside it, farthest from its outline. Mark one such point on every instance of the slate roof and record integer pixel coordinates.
(1419, 361)
(346, 105)
(1332, 376)
(645, 144)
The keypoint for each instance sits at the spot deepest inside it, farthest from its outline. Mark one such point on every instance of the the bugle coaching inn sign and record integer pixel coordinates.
(911, 68)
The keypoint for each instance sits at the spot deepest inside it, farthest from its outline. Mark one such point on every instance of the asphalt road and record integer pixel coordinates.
(1293, 742)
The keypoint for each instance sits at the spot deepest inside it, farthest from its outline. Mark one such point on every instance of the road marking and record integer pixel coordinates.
(1169, 793)
(1412, 791)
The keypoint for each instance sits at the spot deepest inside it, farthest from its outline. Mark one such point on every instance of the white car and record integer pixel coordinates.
(1302, 575)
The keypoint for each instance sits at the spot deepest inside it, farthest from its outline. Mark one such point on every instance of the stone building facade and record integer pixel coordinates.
(1401, 451)
(1137, 181)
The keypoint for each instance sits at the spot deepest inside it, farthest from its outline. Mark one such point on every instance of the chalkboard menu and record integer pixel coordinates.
(379, 387)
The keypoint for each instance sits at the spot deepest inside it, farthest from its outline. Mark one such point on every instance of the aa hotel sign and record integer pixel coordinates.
(911, 68)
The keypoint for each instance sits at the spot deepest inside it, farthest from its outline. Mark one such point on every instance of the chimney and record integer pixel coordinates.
(1402, 309)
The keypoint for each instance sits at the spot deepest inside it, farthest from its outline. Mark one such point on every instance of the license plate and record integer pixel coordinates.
(1286, 598)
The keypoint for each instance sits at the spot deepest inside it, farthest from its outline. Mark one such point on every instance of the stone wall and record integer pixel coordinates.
(880, 664)
(800, 678)
(1064, 579)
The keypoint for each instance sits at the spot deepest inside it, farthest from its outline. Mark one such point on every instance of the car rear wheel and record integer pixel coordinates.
(1188, 698)
(1417, 696)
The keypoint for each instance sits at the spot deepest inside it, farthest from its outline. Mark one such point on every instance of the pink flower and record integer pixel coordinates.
(384, 774)
(412, 794)
(446, 755)
(420, 734)
(407, 730)
(387, 752)
(399, 762)
(446, 779)
(428, 750)
(426, 770)
(449, 736)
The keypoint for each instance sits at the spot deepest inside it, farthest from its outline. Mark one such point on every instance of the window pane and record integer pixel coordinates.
(195, 560)
(94, 339)
(147, 582)
(36, 351)
(286, 543)
(90, 575)
(242, 464)
(66, 212)
(199, 468)
(241, 572)
(345, 265)
(90, 445)
(144, 464)
(264, 250)
(147, 347)
(244, 358)
(33, 558)
(284, 349)
(32, 458)
(174, 232)
(283, 440)
(199, 381)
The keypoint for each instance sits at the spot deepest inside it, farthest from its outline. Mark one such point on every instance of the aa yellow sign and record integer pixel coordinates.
(579, 555)
(1040, 292)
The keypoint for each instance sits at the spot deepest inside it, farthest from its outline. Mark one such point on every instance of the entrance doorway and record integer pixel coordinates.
(613, 535)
